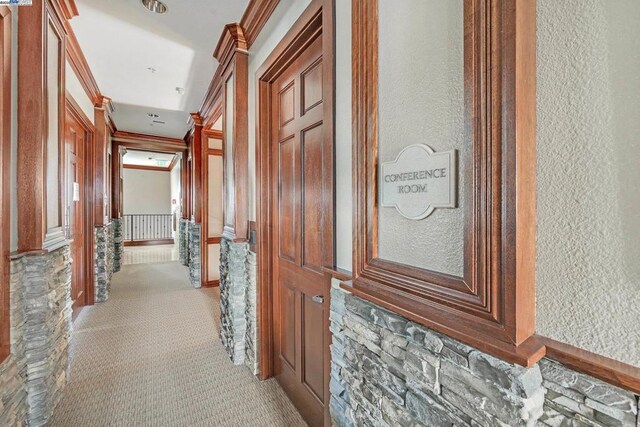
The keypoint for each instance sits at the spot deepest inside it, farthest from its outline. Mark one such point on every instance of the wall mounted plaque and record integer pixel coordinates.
(418, 181)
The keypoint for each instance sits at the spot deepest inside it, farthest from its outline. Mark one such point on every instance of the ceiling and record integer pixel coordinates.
(139, 58)
(147, 158)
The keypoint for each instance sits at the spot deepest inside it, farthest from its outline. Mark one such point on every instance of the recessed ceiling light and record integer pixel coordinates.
(155, 6)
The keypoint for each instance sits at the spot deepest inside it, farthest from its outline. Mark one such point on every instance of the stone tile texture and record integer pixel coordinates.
(233, 299)
(195, 272)
(389, 371)
(118, 244)
(104, 263)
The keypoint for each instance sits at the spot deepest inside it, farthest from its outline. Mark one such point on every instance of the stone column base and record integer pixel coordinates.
(233, 294)
(104, 263)
(183, 241)
(118, 244)
(46, 284)
(194, 254)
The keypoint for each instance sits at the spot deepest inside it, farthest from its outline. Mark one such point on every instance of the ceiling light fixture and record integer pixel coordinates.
(155, 6)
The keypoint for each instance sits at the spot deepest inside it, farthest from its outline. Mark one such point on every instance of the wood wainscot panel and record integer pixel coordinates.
(492, 306)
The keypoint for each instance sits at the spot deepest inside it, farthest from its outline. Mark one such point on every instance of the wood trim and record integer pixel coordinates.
(33, 234)
(339, 273)
(317, 17)
(253, 230)
(213, 133)
(72, 108)
(211, 284)
(149, 242)
(186, 186)
(102, 132)
(147, 139)
(5, 179)
(231, 41)
(213, 240)
(147, 168)
(609, 370)
(174, 162)
(234, 60)
(494, 301)
(79, 64)
(255, 17)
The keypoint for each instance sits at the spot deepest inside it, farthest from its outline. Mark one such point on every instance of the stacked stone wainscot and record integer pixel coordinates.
(104, 263)
(118, 244)
(194, 254)
(233, 298)
(389, 371)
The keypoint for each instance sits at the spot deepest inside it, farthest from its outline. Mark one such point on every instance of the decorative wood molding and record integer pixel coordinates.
(339, 273)
(147, 168)
(145, 138)
(231, 42)
(195, 152)
(149, 242)
(33, 117)
(255, 17)
(80, 66)
(101, 186)
(5, 179)
(211, 284)
(493, 304)
(174, 162)
(609, 370)
(213, 133)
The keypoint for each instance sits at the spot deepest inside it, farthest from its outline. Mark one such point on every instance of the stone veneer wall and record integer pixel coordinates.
(104, 263)
(233, 298)
(46, 288)
(13, 371)
(251, 311)
(183, 248)
(118, 244)
(389, 371)
(194, 254)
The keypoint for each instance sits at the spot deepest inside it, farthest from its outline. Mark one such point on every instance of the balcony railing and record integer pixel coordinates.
(148, 227)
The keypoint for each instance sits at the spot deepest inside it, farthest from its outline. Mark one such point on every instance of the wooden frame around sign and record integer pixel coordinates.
(493, 306)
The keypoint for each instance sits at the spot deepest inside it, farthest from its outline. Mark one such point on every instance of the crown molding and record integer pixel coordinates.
(255, 17)
(231, 41)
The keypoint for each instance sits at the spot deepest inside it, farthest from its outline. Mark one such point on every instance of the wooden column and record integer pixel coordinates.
(33, 125)
(186, 186)
(196, 168)
(100, 166)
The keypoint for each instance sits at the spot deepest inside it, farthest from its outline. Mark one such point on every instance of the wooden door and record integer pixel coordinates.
(302, 238)
(75, 145)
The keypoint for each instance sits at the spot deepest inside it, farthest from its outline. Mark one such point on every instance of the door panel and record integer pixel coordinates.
(288, 327)
(313, 201)
(75, 144)
(299, 209)
(287, 196)
(312, 347)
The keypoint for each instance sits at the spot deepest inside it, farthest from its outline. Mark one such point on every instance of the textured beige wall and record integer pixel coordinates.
(146, 192)
(421, 101)
(74, 87)
(588, 261)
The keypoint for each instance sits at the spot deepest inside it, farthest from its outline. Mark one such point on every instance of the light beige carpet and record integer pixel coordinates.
(151, 356)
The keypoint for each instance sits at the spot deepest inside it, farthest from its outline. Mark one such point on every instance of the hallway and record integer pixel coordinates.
(151, 356)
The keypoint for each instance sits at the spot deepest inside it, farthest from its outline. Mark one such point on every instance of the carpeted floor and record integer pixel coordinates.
(151, 356)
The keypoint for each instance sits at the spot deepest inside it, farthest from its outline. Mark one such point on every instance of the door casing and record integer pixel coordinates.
(317, 18)
(74, 109)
